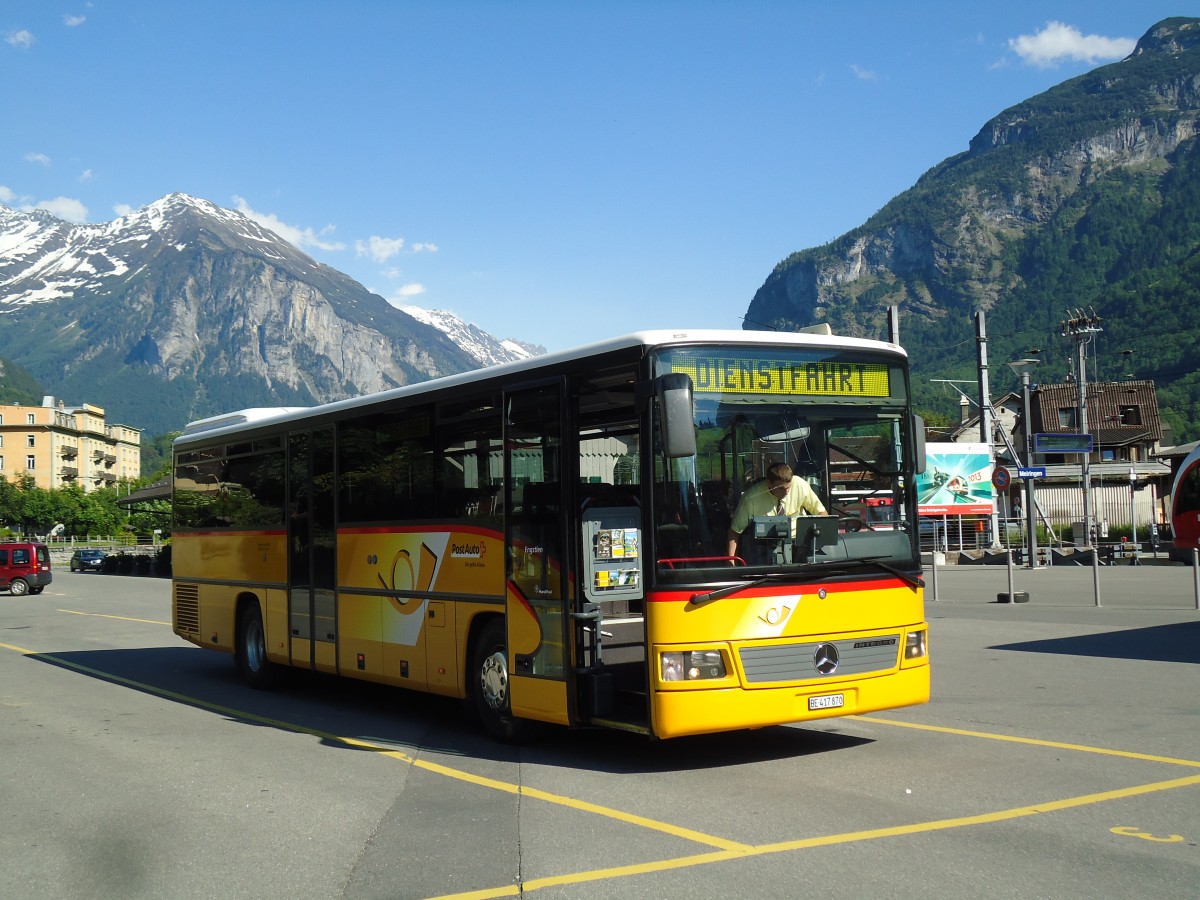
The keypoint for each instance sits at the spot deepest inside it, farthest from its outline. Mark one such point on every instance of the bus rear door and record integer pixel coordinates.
(311, 544)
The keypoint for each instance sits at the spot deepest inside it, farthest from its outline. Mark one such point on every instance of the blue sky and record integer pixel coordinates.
(557, 172)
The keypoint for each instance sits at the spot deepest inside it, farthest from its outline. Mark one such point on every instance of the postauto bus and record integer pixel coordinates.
(548, 540)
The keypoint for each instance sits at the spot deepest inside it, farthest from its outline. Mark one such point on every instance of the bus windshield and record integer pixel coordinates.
(839, 420)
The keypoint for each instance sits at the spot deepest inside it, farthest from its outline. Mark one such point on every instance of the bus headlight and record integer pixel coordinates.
(915, 646)
(692, 665)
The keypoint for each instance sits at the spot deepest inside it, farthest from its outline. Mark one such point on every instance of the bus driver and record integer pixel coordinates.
(780, 494)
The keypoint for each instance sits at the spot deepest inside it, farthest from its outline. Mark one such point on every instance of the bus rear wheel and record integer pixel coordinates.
(490, 685)
(258, 671)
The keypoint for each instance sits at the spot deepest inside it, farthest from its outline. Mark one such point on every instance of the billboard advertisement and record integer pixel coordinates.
(957, 480)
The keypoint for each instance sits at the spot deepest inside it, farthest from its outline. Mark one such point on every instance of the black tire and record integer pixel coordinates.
(38, 589)
(19, 587)
(489, 685)
(257, 671)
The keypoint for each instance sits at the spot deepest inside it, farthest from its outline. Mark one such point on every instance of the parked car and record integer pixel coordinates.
(87, 560)
(24, 567)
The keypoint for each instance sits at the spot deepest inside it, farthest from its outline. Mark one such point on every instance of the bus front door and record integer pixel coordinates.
(537, 590)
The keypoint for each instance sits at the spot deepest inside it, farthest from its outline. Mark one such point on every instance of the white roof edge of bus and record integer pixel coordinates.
(652, 338)
(241, 417)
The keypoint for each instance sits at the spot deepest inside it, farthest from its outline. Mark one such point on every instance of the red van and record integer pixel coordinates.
(24, 567)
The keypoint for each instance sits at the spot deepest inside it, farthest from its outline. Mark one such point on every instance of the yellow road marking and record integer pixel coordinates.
(727, 850)
(1034, 742)
(827, 840)
(76, 612)
(1134, 831)
(532, 793)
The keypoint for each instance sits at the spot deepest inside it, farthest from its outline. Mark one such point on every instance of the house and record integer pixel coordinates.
(1129, 482)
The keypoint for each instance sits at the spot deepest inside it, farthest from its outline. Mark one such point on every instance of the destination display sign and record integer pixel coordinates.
(831, 378)
(1062, 443)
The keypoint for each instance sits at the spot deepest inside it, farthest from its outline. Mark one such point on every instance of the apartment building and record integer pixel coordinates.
(61, 445)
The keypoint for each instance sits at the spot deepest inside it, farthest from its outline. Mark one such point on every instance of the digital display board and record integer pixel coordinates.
(827, 378)
(1062, 443)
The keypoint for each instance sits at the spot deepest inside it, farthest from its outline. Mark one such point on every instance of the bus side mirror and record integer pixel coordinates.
(918, 425)
(674, 392)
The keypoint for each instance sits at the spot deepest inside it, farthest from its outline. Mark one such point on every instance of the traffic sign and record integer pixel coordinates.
(1031, 471)
(1000, 478)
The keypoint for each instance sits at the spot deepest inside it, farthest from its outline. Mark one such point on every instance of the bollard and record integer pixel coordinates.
(1011, 596)
(1196, 576)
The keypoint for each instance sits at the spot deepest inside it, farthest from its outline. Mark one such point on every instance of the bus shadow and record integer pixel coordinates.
(346, 714)
(1179, 642)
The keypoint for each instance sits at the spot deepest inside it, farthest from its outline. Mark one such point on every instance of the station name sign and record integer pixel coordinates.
(732, 375)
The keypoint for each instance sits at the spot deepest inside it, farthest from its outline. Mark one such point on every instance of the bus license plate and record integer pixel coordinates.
(829, 701)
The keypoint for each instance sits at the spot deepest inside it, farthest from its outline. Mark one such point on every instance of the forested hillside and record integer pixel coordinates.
(1087, 196)
(17, 385)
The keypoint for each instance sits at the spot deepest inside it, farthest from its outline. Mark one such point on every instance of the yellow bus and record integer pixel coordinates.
(548, 539)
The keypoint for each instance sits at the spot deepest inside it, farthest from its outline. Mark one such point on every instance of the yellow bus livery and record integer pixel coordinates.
(549, 540)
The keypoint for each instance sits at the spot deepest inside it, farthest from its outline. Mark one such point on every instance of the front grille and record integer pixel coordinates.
(794, 662)
(187, 608)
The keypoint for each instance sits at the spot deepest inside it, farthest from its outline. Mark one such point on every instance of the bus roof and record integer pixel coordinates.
(816, 338)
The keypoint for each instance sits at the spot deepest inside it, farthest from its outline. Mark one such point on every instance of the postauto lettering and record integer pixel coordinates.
(713, 374)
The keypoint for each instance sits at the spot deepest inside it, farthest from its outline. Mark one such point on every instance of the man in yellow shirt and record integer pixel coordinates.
(781, 494)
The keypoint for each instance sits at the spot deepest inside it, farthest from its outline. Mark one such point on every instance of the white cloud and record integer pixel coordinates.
(380, 249)
(1058, 42)
(7, 195)
(85, 175)
(123, 209)
(400, 297)
(22, 39)
(304, 238)
(72, 21)
(66, 208)
(40, 158)
(862, 74)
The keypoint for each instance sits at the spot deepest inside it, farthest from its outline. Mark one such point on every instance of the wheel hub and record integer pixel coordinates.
(493, 679)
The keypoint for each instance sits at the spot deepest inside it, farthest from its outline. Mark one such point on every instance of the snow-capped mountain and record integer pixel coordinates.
(43, 259)
(485, 347)
(184, 309)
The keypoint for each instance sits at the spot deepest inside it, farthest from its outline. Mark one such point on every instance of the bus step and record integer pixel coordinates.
(632, 727)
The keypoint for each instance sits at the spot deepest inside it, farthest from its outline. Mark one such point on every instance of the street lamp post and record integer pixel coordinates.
(1023, 367)
(1133, 512)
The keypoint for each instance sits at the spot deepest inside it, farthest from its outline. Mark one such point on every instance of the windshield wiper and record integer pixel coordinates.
(912, 581)
(722, 593)
(797, 574)
(827, 567)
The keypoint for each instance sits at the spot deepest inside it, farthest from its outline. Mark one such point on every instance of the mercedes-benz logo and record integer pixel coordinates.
(825, 659)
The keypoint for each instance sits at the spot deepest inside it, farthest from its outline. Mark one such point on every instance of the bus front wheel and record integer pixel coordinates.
(258, 671)
(490, 685)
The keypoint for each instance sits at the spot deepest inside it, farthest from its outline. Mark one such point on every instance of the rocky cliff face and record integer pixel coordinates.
(948, 246)
(184, 309)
